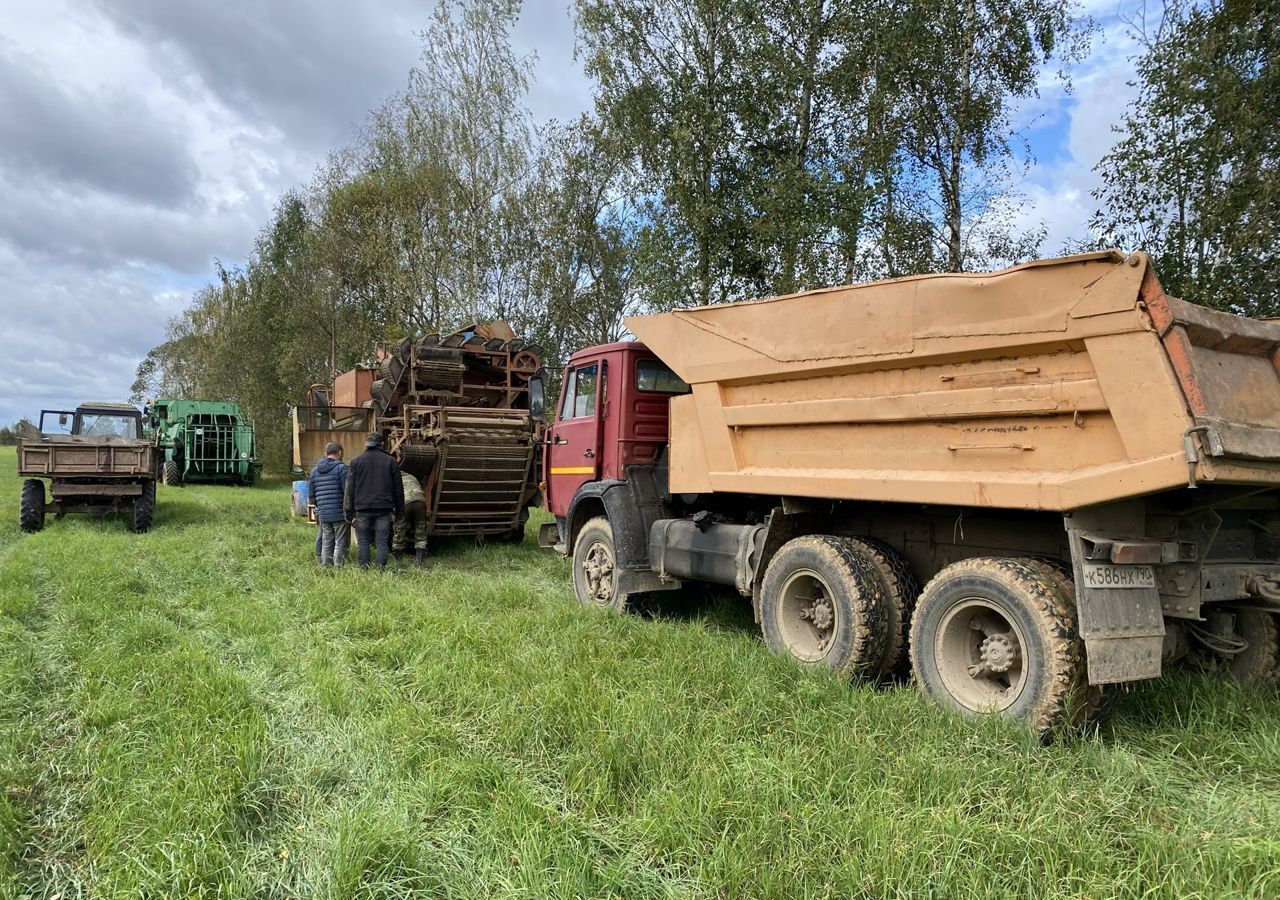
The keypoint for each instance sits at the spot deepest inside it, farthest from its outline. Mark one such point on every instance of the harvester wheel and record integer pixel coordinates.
(904, 590)
(516, 535)
(144, 508)
(824, 603)
(595, 573)
(31, 509)
(170, 474)
(998, 635)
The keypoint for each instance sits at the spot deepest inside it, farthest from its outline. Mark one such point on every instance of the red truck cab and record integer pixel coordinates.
(612, 414)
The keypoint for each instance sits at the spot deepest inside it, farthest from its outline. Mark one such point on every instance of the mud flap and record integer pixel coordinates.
(549, 537)
(1122, 627)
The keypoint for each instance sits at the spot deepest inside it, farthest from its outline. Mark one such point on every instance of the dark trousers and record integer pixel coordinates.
(373, 528)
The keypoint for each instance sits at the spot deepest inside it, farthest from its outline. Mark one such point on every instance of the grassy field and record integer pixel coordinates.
(200, 711)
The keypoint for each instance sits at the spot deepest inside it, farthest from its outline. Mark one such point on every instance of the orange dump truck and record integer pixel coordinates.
(1081, 471)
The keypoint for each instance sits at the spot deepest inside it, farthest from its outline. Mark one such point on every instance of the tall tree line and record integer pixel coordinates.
(1195, 174)
(737, 148)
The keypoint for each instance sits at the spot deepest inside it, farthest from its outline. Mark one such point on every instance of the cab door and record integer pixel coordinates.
(573, 446)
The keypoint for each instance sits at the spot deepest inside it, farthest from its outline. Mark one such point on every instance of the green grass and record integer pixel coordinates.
(199, 711)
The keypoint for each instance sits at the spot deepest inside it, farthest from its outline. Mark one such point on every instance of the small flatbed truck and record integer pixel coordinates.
(96, 461)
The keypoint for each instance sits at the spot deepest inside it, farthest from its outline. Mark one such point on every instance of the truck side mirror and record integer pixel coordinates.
(62, 420)
(538, 398)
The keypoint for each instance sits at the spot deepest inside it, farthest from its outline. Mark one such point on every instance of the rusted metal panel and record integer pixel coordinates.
(62, 457)
(61, 490)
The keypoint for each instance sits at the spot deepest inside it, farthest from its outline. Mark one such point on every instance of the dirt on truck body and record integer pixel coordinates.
(1083, 472)
(96, 460)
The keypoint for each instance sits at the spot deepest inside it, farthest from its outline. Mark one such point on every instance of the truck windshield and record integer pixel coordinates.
(652, 375)
(108, 425)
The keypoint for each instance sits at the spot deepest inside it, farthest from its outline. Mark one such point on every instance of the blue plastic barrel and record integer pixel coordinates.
(300, 491)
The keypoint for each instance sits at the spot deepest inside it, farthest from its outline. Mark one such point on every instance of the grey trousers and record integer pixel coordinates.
(335, 540)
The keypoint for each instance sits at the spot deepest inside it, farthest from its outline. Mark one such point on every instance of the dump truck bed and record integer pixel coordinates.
(1054, 385)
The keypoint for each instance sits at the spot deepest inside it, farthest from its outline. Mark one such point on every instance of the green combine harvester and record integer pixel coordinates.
(204, 441)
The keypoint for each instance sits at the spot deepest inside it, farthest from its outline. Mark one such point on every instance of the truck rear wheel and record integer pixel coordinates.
(904, 590)
(595, 573)
(1258, 664)
(996, 635)
(170, 474)
(144, 508)
(824, 604)
(31, 508)
(1099, 700)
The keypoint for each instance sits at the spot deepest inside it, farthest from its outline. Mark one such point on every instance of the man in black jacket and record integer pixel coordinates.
(374, 496)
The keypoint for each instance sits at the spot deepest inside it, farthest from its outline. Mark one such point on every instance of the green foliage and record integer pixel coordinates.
(9, 435)
(961, 67)
(1195, 175)
(201, 711)
(797, 143)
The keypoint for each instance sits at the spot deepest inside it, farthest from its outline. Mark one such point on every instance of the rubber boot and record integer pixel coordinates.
(420, 558)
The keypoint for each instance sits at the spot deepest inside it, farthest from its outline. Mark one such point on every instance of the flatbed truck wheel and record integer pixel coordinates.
(170, 474)
(824, 604)
(31, 507)
(144, 508)
(595, 573)
(997, 635)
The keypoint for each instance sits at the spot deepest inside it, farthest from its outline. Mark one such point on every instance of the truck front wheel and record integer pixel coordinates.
(144, 508)
(31, 509)
(997, 635)
(595, 573)
(824, 604)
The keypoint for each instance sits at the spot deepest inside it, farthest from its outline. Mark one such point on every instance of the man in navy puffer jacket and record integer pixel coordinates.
(328, 487)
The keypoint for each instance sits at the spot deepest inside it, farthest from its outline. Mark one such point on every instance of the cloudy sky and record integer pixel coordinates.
(143, 139)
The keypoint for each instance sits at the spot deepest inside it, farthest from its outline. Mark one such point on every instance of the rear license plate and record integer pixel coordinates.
(1119, 576)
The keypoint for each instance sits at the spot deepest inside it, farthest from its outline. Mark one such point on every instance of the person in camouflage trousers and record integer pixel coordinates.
(411, 525)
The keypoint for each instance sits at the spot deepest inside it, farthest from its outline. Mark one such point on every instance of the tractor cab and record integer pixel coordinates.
(95, 420)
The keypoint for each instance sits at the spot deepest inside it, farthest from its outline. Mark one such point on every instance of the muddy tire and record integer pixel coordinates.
(144, 508)
(903, 591)
(1099, 700)
(825, 604)
(1259, 664)
(595, 572)
(997, 635)
(31, 507)
(170, 474)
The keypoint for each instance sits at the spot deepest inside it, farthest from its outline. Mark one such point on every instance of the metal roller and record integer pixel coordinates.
(438, 374)
(418, 459)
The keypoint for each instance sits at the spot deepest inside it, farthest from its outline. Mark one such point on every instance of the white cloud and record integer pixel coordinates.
(1058, 188)
(146, 138)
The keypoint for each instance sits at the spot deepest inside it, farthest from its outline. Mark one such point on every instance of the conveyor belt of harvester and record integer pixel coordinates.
(483, 471)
